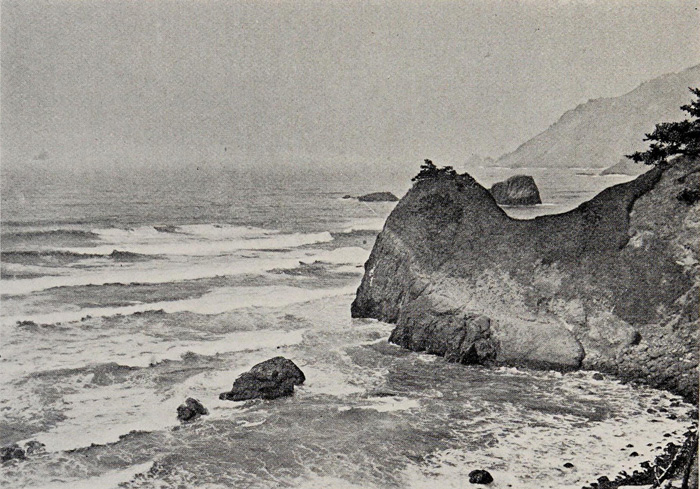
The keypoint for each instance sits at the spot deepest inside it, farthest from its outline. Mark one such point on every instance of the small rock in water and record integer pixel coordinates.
(191, 410)
(480, 477)
(270, 379)
(569, 465)
(634, 454)
(33, 446)
(598, 376)
(12, 452)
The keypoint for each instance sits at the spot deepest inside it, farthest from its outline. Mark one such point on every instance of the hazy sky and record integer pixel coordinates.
(98, 82)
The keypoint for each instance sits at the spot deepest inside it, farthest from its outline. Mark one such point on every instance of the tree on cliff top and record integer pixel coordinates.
(428, 170)
(673, 138)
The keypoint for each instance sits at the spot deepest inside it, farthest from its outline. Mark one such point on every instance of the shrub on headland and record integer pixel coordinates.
(428, 170)
(673, 138)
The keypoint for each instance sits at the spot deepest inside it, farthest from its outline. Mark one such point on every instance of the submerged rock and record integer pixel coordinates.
(12, 452)
(480, 477)
(270, 379)
(517, 190)
(33, 446)
(378, 197)
(191, 410)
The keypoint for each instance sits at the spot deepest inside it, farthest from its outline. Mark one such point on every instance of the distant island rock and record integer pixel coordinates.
(517, 190)
(378, 197)
(270, 379)
(478, 161)
(626, 167)
(610, 286)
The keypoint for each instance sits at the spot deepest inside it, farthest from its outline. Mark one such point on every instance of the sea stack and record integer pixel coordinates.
(517, 190)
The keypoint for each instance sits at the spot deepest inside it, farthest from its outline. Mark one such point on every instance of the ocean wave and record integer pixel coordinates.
(374, 224)
(164, 271)
(27, 255)
(216, 302)
(99, 413)
(196, 240)
(51, 233)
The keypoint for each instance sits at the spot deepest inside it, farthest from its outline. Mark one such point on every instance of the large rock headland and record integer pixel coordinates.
(611, 285)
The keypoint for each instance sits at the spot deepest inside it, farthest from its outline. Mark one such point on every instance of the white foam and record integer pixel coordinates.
(101, 414)
(365, 224)
(385, 404)
(110, 479)
(352, 255)
(132, 349)
(529, 450)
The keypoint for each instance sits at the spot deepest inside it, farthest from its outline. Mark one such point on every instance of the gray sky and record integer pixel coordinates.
(176, 82)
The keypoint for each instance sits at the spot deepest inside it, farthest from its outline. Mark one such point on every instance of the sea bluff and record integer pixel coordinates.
(611, 285)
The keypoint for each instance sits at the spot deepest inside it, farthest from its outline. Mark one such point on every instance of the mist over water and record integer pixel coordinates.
(123, 296)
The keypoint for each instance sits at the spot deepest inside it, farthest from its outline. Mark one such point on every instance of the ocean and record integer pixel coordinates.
(124, 293)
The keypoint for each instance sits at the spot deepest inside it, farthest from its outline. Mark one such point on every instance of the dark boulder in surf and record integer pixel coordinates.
(270, 379)
(378, 197)
(517, 190)
(191, 410)
(12, 452)
(480, 477)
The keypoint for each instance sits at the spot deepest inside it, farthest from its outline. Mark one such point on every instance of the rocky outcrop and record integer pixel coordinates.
(611, 285)
(517, 190)
(480, 477)
(270, 379)
(378, 197)
(192, 409)
(12, 452)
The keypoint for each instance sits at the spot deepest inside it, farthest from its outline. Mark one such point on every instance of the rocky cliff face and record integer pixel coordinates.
(611, 285)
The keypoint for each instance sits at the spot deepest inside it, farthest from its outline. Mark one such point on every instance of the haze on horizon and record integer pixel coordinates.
(170, 83)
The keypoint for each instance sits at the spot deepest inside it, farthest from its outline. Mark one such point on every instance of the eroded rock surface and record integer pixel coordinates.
(270, 379)
(611, 285)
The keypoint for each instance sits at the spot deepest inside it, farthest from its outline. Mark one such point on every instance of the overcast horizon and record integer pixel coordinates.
(100, 83)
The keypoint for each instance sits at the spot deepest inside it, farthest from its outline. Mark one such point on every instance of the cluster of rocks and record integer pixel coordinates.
(677, 463)
(16, 452)
(191, 410)
(270, 379)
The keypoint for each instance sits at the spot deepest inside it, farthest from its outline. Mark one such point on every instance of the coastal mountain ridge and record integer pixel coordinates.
(596, 133)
